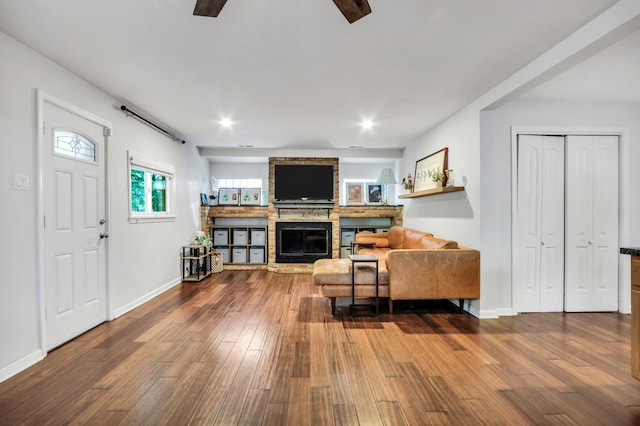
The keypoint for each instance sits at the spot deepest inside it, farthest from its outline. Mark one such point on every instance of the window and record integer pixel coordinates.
(239, 183)
(151, 189)
(74, 145)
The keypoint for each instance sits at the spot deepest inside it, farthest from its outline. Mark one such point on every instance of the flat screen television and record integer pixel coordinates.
(301, 182)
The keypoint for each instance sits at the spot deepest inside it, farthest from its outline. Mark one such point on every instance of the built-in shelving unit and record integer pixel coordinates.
(435, 191)
(241, 240)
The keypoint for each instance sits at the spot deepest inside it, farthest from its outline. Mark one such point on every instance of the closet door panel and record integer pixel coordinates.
(578, 223)
(528, 224)
(605, 223)
(551, 279)
(552, 226)
(539, 276)
(605, 191)
(592, 224)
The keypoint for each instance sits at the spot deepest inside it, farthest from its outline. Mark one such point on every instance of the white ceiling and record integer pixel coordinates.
(294, 73)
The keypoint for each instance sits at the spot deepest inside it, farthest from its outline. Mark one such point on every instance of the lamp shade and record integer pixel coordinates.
(386, 177)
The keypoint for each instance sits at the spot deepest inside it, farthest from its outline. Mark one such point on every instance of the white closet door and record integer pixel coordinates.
(539, 254)
(592, 224)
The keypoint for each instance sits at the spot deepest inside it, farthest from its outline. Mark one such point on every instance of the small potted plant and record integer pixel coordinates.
(407, 184)
(203, 239)
(437, 176)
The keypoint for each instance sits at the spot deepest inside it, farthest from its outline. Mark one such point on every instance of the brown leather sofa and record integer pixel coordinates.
(413, 265)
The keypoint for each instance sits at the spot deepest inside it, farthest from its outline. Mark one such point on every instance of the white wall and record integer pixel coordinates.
(260, 170)
(143, 259)
(496, 148)
(454, 216)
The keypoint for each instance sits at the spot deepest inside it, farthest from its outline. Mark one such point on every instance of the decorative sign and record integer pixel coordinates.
(429, 168)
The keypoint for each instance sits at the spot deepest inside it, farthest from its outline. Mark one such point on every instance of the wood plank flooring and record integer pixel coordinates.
(254, 347)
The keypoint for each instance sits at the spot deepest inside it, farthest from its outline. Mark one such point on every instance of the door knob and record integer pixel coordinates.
(104, 235)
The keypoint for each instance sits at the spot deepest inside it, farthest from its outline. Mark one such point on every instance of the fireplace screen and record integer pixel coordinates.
(302, 242)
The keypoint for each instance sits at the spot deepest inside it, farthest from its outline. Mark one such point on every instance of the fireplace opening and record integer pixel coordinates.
(302, 242)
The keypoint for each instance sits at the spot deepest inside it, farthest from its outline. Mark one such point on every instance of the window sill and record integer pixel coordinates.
(151, 219)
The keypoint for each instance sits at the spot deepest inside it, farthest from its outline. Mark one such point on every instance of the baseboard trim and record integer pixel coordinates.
(145, 298)
(505, 312)
(21, 364)
(496, 313)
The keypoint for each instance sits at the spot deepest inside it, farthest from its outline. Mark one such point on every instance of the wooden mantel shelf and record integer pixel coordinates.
(434, 191)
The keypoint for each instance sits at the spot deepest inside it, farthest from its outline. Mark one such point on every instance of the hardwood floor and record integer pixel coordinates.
(254, 347)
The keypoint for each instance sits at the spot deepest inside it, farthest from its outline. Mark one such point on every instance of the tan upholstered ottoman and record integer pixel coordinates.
(334, 276)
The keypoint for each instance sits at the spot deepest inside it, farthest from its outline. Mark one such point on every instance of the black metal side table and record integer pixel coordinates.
(355, 244)
(362, 258)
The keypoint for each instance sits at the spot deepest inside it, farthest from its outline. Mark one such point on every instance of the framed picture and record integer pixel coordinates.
(228, 197)
(204, 200)
(374, 193)
(354, 193)
(250, 196)
(428, 167)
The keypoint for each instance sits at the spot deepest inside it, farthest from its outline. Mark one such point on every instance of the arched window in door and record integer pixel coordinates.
(75, 145)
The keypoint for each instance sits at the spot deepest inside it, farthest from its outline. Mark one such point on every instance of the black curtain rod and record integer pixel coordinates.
(153, 125)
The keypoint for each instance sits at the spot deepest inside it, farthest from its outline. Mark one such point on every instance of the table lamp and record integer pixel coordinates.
(385, 178)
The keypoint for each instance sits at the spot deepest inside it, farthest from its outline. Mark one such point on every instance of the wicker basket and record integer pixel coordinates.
(216, 262)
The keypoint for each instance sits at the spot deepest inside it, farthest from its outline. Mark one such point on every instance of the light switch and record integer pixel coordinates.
(21, 182)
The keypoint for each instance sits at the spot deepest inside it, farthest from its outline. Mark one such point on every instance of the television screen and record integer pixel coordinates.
(303, 182)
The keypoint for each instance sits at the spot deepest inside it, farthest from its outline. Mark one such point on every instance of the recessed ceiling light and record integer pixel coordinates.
(367, 124)
(226, 122)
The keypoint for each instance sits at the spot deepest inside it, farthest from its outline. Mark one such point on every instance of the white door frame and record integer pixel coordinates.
(624, 274)
(43, 98)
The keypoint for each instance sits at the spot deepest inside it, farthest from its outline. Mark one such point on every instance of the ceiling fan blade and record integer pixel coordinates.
(208, 7)
(353, 9)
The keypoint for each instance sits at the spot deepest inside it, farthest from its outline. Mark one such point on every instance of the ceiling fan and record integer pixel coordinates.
(351, 9)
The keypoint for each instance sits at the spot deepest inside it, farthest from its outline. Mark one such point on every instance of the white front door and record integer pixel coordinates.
(74, 224)
(539, 245)
(592, 224)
